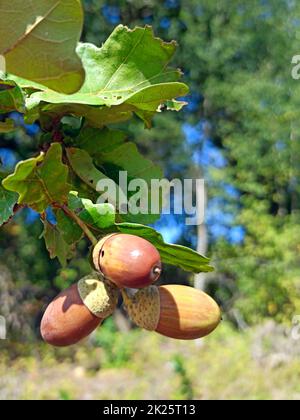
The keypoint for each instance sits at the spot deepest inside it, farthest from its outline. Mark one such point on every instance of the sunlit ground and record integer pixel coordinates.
(257, 364)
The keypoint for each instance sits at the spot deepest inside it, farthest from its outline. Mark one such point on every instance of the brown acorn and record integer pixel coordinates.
(77, 311)
(174, 311)
(127, 261)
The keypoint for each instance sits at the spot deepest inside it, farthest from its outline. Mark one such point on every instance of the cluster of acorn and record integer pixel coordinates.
(126, 262)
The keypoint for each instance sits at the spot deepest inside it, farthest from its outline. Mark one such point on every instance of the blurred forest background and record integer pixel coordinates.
(240, 132)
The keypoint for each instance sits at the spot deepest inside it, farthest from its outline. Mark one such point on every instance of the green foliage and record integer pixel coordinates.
(112, 155)
(96, 216)
(11, 97)
(40, 181)
(65, 395)
(8, 201)
(70, 231)
(118, 347)
(249, 96)
(7, 126)
(55, 243)
(129, 72)
(46, 31)
(83, 166)
(186, 387)
(266, 268)
(128, 75)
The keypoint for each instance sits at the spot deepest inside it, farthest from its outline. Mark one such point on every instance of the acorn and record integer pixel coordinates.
(128, 261)
(174, 311)
(77, 311)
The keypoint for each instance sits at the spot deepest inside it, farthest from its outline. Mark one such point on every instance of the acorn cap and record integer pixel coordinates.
(144, 307)
(98, 295)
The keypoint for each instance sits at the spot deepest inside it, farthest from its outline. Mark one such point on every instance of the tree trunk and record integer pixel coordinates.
(202, 247)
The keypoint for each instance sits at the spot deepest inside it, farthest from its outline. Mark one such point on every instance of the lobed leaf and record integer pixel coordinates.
(69, 230)
(40, 181)
(129, 73)
(38, 40)
(112, 155)
(83, 165)
(96, 141)
(96, 216)
(55, 243)
(8, 200)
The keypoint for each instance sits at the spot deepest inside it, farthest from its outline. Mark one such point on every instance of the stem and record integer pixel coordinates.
(80, 223)
(125, 297)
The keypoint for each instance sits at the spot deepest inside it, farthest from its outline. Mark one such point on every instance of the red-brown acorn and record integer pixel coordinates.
(127, 261)
(174, 311)
(77, 311)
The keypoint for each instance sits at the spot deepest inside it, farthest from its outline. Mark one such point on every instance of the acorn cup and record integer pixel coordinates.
(77, 311)
(174, 311)
(127, 261)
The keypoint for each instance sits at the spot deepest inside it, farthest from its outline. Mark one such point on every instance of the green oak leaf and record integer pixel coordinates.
(38, 40)
(124, 158)
(127, 157)
(8, 200)
(96, 216)
(11, 97)
(40, 181)
(95, 116)
(7, 126)
(175, 105)
(180, 256)
(83, 165)
(69, 230)
(94, 141)
(55, 243)
(112, 155)
(129, 73)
